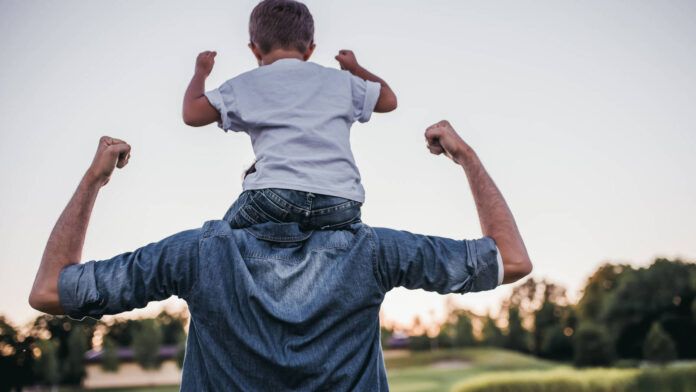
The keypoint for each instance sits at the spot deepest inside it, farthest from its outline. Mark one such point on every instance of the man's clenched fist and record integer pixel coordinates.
(443, 139)
(111, 153)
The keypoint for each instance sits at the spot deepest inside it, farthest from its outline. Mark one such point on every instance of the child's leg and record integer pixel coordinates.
(245, 213)
(309, 210)
(330, 213)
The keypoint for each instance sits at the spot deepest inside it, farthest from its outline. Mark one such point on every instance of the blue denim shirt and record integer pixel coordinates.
(276, 308)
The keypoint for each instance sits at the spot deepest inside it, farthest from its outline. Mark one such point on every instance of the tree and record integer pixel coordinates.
(16, 359)
(492, 335)
(592, 346)
(517, 337)
(463, 331)
(74, 366)
(659, 346)
(172, 326)
(557, 343)
(146, 344)
(47, 367)
(110, 361)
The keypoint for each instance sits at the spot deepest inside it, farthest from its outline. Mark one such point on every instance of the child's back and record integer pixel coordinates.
(298, 115)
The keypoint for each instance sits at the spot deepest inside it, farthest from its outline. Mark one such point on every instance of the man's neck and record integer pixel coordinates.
(277, 54)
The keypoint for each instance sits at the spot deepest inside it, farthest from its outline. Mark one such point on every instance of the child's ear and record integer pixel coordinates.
(256, 51)
(309, 51)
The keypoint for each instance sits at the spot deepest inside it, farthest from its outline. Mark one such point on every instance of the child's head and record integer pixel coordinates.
(281, 24)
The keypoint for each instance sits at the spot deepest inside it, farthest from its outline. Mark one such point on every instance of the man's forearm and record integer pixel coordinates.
(495, 216)
(64, 246)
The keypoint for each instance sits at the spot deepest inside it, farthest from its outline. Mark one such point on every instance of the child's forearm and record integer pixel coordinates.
(197, 110)
(387, 99)
(193, 95)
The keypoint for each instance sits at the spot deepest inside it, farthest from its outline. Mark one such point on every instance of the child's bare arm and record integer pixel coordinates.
(387, 98)
(197, 110)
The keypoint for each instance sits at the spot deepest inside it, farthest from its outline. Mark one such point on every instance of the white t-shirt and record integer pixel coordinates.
(298, 115)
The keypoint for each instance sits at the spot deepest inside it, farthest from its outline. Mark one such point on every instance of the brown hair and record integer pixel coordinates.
(283, 24)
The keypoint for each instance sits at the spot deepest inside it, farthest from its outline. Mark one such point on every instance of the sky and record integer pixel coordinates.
(582, 112)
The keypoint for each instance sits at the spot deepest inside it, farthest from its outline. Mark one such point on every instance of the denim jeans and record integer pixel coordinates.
(310, 210)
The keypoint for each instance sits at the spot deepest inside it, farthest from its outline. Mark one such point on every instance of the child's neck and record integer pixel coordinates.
(277, 54)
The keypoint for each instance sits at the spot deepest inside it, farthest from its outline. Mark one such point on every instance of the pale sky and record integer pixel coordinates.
(583, 113)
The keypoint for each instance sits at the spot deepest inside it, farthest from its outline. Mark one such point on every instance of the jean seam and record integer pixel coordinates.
(282, 203)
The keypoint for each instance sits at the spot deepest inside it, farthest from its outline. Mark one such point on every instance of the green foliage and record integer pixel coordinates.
(384, 335)
(47, 367)
(592, 346)
(659, 346)
(146, 344)
(556, 345)
(661, 292)
(172, 326)
(491, 334)
(181, 354)
(564, 379)
(517, 338)
(110, 360)
(16, 360)
(670, 379)
(419, 343)
(77, 344)
(463, 335)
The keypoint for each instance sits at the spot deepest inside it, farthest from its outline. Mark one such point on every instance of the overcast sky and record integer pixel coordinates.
(583, 113)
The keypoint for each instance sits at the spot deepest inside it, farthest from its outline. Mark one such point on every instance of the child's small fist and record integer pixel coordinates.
(205, 62)
(346, 59)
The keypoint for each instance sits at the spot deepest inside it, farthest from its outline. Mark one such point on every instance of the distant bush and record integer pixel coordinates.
(593, 347)
(674, 378)
(561, 380)
(659, 346)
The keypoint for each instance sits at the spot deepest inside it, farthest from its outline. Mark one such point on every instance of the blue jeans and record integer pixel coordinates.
(310, 210)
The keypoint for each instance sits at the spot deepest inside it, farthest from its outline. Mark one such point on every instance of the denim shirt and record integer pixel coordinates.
(274, 308)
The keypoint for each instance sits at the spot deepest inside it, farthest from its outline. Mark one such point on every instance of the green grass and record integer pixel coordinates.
(673, 378)
(415, 373)
(496, 370)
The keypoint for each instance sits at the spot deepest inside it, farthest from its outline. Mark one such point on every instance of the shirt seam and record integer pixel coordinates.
(375, 260)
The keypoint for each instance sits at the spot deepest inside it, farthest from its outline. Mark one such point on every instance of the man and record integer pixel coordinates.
(273, 307)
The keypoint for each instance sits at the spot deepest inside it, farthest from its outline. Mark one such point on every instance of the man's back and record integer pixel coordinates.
(278, 309)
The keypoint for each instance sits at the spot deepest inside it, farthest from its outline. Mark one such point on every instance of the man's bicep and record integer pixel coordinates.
(131, 280)
(435, 263)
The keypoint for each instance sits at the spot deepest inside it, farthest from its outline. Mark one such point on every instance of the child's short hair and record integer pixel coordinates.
(283, 24)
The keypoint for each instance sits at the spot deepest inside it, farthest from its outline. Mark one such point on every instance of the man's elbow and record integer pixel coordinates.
(44, 302)
(517, 270)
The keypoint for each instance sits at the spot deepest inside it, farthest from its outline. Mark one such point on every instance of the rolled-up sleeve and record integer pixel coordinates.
(224, 100)
(131, 280)
(365, 95)
(435, 263)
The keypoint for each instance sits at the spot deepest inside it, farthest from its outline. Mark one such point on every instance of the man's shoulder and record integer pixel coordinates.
(215, 228)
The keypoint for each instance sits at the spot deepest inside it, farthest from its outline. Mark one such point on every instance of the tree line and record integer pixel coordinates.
(51, 350)
(625, 314)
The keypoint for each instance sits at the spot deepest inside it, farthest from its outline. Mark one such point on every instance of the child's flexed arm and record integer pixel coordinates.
(197, 109)
(387, 98)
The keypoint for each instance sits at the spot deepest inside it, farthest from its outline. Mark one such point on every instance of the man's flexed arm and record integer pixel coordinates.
(496, 219)
(65, 243)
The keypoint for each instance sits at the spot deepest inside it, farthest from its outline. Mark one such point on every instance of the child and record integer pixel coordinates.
(298, 115)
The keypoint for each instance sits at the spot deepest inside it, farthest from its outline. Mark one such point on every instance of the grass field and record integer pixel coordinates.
(432, 371)
(439, 371)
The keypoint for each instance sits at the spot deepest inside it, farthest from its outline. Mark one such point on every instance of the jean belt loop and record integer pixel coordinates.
(310, 199)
